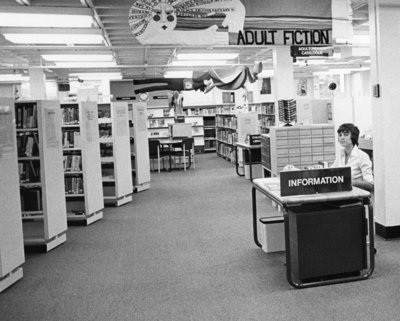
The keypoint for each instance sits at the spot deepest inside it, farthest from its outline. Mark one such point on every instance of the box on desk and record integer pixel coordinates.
(272, 234)
(256, 171)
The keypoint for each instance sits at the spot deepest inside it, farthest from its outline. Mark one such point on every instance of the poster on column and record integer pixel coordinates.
(232, 22)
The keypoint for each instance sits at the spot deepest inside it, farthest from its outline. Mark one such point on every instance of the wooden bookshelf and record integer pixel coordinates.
(81, 160)
(40, 164)
(11, 237)
(115, 152)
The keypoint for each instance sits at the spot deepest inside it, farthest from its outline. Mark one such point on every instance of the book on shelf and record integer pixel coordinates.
(72, 163)
(26, 116)
(29, 171)
(31, 199)
(27, 144)
(70, 115)
(71, 139)
(73, 185)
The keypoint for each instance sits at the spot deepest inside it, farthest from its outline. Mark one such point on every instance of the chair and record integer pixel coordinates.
(187, 149)
(154, 152)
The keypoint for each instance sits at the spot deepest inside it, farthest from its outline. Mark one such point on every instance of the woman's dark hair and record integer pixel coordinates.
(353, 130)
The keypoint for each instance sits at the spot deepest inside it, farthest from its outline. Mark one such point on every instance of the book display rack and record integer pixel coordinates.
(40, 165)
(115, 152)
(81, 162)
(11, 237)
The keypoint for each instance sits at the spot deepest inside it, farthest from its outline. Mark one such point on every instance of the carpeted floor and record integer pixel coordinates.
(184, 250)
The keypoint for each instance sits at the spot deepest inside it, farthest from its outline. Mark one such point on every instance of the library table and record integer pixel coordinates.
(325, 234)
(249, 149)
(169, 142)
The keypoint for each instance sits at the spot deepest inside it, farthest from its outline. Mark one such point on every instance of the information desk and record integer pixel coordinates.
(326, 235)
(246, 148)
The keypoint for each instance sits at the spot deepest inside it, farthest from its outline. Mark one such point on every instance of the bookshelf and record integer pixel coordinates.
(232, 128)
(115, 152)
(197, 123)
(140, 145)
(11, 237)
(40, 164)
(81, 162)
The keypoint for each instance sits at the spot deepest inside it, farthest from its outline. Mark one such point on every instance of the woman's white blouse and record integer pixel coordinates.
(360, 163)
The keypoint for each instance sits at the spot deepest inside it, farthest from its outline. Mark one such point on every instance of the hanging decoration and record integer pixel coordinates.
(233, 22)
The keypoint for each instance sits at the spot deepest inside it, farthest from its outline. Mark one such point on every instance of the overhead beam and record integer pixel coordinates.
(47, 10)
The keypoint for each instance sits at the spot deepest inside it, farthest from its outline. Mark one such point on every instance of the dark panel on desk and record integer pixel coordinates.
(327, 241)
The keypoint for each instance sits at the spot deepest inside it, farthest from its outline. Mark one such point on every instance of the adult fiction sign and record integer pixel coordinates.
(315, 181)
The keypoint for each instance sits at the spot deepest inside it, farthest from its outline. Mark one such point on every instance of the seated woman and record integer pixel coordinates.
(351, 155)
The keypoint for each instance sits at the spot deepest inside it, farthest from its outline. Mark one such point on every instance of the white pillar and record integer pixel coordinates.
(283, 73)
(37, 84)
(384, 18)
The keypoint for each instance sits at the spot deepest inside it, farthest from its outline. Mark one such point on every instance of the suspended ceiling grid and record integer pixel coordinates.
(133, 59)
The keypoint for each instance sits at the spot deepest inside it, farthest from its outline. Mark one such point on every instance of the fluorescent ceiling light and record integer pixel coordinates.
(72, 57)
(178, 74)
(198, 62)
(206, 56)
(97, 75)
(45, 20)
(99, 64)
(13, 77)
(24, 38)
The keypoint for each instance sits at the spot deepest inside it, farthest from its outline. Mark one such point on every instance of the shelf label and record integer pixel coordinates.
(52, 137)
(313, 181)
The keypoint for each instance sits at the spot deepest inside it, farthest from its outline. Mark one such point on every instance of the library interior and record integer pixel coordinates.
(199, 160)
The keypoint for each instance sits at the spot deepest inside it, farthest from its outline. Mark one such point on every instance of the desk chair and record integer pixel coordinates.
(187, 149)
(154, 152)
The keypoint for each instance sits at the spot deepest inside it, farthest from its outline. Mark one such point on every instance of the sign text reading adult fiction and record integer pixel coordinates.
(284, 37)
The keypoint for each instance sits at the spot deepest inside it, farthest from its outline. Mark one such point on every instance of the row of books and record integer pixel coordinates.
(106, 150)
(227, 136)
(199, 111)
(70, 115)
(262, 108)
(31, 199)
(26, 116)
(153, 123)
(226, 151)
(72, 163)
(209, 122)
(71, 139)
(27, 144)
(266, 122)
(73, 185)
(105, 132)
(209, 144)
(226, 121)
(29, 171)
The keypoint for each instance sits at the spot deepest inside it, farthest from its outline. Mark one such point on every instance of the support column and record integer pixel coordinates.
(283, 73)
(37, 84)
(385, 69)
